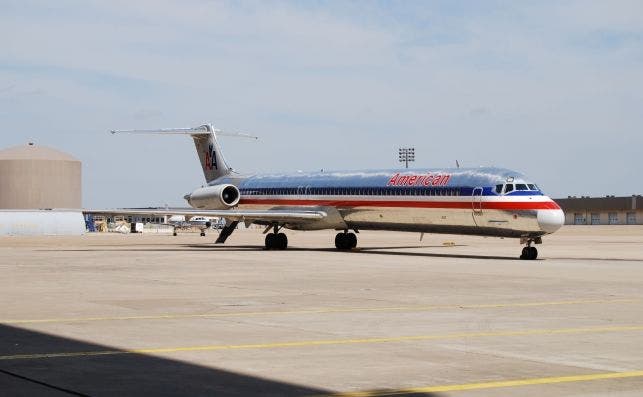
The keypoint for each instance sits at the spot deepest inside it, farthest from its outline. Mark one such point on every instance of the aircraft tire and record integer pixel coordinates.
(525, 253)
(281, 241)
(270, 241)
(342, 241)
(529, 253)
(339, 241)
(351, 240)
(533, 253)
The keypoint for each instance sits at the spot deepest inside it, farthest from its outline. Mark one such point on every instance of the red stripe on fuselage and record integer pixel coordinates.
(489, 205)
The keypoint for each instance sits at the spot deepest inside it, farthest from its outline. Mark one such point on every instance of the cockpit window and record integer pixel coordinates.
(521, 186)
(499, 189)
(532, 186)
(509, 187)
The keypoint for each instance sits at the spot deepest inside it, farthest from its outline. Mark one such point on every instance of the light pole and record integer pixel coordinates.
(407, 155)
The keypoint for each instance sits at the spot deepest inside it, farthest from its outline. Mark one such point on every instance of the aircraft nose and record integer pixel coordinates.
(550, 220)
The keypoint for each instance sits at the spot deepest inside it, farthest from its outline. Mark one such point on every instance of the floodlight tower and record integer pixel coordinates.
(407, 155)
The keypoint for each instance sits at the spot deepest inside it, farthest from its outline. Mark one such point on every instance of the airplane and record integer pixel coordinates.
(485, 201)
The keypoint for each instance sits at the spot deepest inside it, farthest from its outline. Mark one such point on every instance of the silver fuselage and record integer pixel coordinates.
(457, 201)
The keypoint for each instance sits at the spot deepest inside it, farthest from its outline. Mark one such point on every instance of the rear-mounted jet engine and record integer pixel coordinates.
(217, 197)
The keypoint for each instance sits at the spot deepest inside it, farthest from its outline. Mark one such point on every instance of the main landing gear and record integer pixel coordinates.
(345, 241)
(529, 252)
(276, 240)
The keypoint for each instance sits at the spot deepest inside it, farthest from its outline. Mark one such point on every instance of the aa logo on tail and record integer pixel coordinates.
(211, 158)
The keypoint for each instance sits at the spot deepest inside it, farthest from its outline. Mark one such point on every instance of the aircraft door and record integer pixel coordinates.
(476, 202)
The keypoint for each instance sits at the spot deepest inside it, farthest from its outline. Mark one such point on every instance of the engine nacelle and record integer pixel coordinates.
(217, 197)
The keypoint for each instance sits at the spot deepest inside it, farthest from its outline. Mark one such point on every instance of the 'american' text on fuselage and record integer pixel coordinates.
(419, 180)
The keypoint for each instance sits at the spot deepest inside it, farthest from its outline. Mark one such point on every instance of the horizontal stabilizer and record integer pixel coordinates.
(201, 130)
(207, 146)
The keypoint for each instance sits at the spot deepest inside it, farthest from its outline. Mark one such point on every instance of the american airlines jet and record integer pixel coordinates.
(476, 201)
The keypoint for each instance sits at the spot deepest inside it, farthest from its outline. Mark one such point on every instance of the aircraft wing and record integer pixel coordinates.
(281, 216)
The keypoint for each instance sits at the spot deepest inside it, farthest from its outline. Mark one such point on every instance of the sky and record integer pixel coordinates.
(553, 89)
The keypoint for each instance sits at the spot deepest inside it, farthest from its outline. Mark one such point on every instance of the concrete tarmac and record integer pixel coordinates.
(126, 315)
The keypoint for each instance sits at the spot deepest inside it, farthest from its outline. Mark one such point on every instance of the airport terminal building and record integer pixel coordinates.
(608, 210)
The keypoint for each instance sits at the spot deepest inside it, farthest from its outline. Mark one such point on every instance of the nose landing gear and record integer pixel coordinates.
(345, 241)
(529, 252)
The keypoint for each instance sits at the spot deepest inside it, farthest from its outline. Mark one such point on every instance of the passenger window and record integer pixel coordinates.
(499, 189)
(521, 186)
(509, 187)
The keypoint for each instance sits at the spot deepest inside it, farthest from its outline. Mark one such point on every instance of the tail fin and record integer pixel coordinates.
(207, 147)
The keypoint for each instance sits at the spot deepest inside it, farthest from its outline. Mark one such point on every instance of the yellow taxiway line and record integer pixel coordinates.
(330, 342)
(492, 385)
(330, 310)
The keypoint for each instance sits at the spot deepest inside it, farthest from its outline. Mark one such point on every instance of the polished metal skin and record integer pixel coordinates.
(466, 203)
(476, 201)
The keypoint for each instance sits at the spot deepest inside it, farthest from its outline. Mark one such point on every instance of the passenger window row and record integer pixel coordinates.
(352, 191)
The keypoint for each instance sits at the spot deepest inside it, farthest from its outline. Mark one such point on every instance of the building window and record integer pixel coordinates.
(612, 218)
(579, 219)
(631, 218)
(596, 219)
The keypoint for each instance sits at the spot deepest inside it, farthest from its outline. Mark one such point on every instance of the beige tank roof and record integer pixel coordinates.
(34, 152)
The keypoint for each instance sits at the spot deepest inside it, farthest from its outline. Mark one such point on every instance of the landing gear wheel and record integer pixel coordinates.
(339, 241)
(276, 241)
(345, 241)
(270, 241)
(533, 253)
(281, 241)
(529, 253)
(352, 240)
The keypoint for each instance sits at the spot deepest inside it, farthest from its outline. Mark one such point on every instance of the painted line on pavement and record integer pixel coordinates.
(319, 311)
(329, 342)
(491, 385)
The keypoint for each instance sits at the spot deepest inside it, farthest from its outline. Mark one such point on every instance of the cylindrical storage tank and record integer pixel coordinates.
(38, 177)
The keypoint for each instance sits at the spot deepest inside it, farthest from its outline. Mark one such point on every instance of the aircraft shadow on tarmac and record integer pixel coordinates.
(362, 250)
(120, 374)
(359, 250)
(248, 248)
